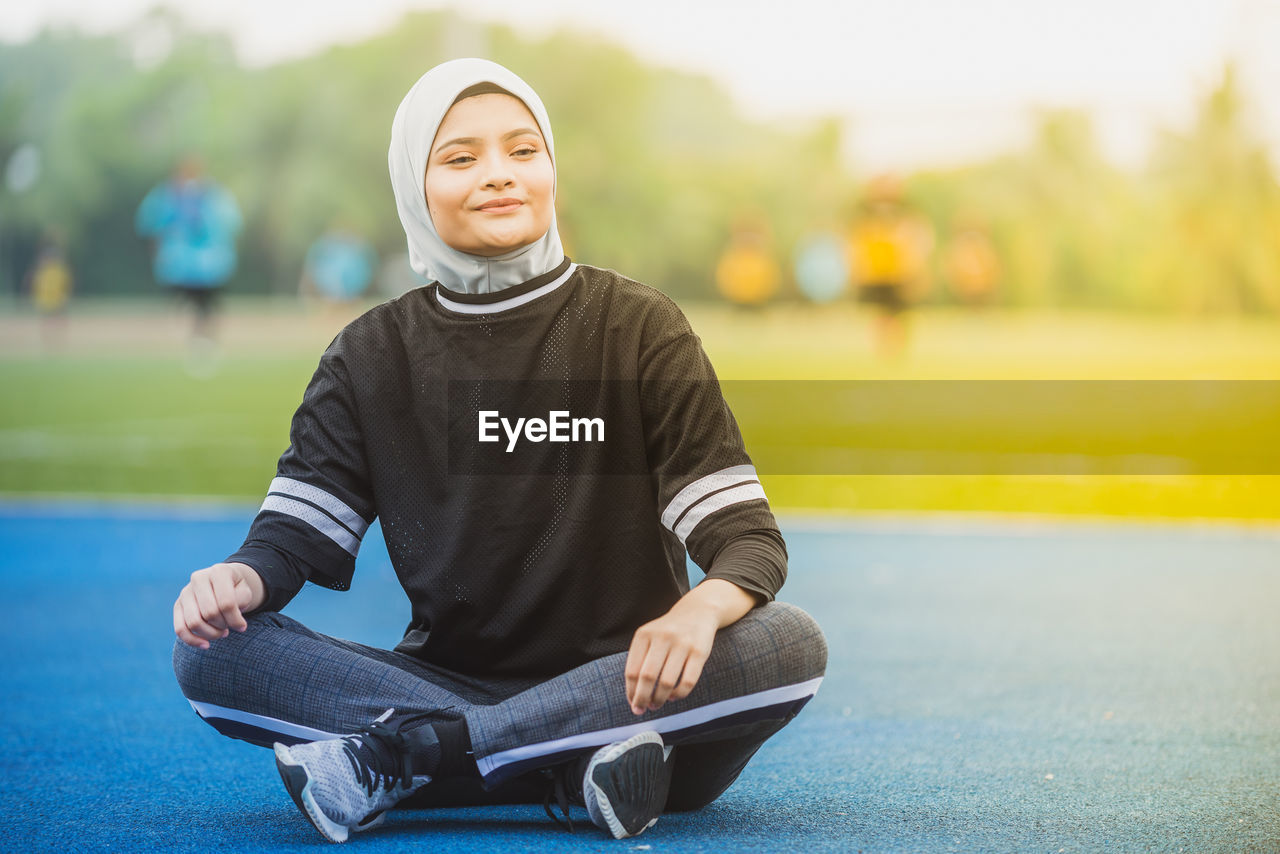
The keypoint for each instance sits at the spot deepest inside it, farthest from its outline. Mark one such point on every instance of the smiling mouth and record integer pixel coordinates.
(500, 206)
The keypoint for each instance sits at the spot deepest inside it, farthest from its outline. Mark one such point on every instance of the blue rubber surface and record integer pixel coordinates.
(991, 688)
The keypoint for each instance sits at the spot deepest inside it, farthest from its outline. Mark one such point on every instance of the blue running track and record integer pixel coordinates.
(992, 687)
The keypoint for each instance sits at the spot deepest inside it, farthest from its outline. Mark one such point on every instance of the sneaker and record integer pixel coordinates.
(345, 784)
(626, 783)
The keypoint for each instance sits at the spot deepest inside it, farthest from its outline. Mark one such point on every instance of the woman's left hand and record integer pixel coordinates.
(667, 654)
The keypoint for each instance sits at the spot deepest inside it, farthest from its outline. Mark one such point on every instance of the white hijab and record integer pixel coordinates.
(412, 133)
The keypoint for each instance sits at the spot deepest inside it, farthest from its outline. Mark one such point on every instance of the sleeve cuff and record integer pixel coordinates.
(755, 561)
(281, 574)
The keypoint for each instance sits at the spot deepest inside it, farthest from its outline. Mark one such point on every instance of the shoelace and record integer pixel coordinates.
(373, 748)
(558, 787)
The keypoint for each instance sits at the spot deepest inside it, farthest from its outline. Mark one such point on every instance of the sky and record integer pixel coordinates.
(918, 82)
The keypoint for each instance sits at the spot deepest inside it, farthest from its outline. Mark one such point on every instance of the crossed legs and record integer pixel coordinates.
(281, 681)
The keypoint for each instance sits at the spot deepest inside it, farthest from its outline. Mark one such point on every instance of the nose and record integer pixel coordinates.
(498, 174)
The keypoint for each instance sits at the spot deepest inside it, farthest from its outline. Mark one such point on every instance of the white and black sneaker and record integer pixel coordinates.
(626, 783)
(345, 784)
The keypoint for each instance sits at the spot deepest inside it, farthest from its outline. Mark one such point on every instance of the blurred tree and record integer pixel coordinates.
(1218, 208)
(38, 82)
(654, 167)
(654, 164)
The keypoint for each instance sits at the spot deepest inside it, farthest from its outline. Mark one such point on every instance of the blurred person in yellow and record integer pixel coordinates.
(889, 248)
(971, 265)
(50, 282)
(747, 274)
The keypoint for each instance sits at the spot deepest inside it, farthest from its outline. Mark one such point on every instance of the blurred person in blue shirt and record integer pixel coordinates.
(339, 266)
(194, 223)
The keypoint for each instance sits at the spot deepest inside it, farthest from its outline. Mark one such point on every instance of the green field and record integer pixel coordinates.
(113, 411)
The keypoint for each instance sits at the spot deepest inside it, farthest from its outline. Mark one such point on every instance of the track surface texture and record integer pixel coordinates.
(993, 686)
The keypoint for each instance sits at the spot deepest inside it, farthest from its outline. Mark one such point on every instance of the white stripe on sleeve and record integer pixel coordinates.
(719, 501)
(703, 486)
(313, 517)
(317, 496)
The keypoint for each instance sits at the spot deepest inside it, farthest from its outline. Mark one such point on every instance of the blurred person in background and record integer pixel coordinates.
(889, 247)
(338, 268)
(50, 282)
(555, 643)
(821, 267)
(747, 274)
(970, 264)
(194, 223)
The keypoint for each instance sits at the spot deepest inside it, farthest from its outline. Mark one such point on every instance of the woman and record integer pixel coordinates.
(553, 633)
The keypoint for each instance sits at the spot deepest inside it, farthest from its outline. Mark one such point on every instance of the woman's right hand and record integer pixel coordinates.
(214, 603)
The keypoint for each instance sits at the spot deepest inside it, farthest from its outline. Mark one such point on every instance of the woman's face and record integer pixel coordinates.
(489, 178)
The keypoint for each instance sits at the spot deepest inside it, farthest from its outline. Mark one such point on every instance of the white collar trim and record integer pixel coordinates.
(506, 304)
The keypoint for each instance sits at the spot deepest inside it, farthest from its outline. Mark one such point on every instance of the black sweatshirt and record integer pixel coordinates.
(551, 541)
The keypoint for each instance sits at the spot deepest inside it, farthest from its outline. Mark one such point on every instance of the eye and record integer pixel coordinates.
(525, 151)
(459, 158)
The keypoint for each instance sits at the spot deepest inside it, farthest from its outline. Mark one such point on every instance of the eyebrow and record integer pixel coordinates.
(473, 140)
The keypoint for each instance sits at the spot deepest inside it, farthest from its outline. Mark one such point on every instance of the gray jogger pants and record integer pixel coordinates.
(280, 681)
